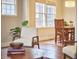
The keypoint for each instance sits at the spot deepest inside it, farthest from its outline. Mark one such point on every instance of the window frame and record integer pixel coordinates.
(15, 6)
(52, 14)
(39, 13)
(45, 9)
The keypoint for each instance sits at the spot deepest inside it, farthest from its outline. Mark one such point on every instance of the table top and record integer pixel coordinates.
(69, 27)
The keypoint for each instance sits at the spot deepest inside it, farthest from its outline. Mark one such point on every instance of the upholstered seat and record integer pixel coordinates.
(70, 51)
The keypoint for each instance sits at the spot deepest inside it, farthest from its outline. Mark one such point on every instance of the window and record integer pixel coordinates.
(8, 7)
(40, 15)
(45, 15)
(51, 13)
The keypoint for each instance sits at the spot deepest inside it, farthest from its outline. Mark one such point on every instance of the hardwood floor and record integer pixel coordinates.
(52, 51)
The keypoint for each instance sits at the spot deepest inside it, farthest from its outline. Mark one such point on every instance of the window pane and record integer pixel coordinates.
(51, 13)
(12, 7)
(9, 1)
(50, 17)
(54, 9)
(54, 20)
(9, 6)
(8, 12)
(39, 7)
(49, 20)
(4, 1)
(8, 9)
(45, 15)
(12, 12)
(4, 6)
(3, 11)
(49, 9)
(40, 20)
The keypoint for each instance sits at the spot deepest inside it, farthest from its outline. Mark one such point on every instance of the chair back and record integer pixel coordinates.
(59, 24)
(59, 27)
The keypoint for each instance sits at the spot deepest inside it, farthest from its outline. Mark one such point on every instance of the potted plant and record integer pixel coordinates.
(25, 23)
(71, 23)
(15, 32)
(66, 24)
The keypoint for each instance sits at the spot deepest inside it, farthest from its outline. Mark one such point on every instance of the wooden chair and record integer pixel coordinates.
(59, 29)
(35, 41)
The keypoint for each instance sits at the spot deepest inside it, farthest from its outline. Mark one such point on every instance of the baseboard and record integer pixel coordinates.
(45, 40)
(5, 44)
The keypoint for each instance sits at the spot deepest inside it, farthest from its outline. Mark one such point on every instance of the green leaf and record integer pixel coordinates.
(25, 23)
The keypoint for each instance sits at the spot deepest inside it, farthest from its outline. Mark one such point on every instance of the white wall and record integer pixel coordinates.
(8, 22)
(69, 13)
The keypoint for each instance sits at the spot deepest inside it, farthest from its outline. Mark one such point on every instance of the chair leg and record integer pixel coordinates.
(38, 46)
(55, 39)
(64, 56)
(35, 44)
(41, 57)
(32, 45)
(60, 39)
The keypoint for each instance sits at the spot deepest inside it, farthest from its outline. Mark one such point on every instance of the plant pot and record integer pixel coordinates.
(16, 45)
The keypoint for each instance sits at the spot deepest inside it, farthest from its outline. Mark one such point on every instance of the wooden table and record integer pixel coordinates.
(30, 53)
(69, 31)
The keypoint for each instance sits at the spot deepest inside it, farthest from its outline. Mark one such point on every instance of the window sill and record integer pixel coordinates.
(9, 15)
